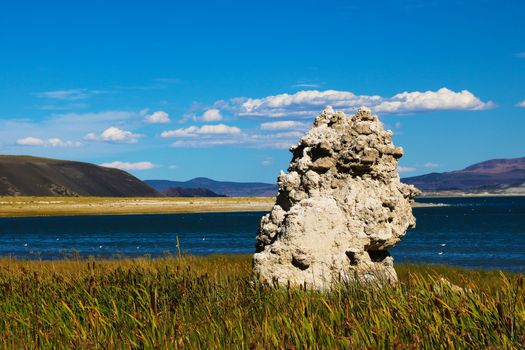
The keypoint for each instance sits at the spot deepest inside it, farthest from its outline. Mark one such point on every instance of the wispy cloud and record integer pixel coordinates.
(403, 169)
(193, 131)
(167, 80)
(158, 117)
(309, 102)
(203, 143)
(129, 166)
(310, 85)
(51, 142)
(520, 54)
(70, 94)
(521, 104)
(267, 161)
(284, 125)
(66, 107)
(431, 165)
(114, 135)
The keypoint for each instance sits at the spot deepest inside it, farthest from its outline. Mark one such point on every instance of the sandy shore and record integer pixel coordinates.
(64, 206)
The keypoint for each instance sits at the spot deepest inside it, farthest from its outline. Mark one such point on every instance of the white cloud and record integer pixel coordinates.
(192, 131)
(183, 132)
(114, 135)
(309, 102)
(219, 129)
(129, 166)
(284, 125)
(56, 142)
(521, 54)
(443, 99)
(173, 166)
(203, 143)
(301, 84)
(70, 94)
(402, 169)
(91, 118)
(280, 135)
(30, 141)
(158, 117)
(431, 165)
(52, 142)
(211, 115)
(66, 107)
(521, 104)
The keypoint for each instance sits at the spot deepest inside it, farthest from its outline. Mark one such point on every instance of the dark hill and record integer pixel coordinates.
(490, 175)
(230, 189)
(190, 192)
(31, 176)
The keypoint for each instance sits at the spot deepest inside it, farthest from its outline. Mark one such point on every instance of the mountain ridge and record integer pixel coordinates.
(226, 188)
(490, 176)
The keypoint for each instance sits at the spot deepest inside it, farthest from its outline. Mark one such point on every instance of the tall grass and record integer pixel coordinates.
(213, 302)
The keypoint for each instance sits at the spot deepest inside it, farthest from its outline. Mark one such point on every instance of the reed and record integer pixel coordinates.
(213, 302)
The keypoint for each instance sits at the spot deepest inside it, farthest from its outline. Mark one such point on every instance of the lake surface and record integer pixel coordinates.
(471, 232)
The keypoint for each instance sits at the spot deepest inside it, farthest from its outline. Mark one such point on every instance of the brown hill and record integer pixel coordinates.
(32, 176)
(491, 175)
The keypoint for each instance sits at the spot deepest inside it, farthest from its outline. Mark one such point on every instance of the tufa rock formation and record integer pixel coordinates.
(340, 207)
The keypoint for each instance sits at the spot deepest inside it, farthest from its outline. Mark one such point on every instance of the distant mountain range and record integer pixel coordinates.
(190, 192)
(32, 176)
(226, 188)
(496, 176)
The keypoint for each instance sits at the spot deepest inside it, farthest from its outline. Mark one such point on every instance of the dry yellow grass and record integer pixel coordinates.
(45, 206)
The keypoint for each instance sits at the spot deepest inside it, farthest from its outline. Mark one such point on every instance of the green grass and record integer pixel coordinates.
(213, 302)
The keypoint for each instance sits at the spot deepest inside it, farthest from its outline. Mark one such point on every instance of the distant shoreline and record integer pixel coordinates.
(77, 206)
(467, 195)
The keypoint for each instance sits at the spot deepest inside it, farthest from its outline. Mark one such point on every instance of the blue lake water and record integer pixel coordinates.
(471, 232)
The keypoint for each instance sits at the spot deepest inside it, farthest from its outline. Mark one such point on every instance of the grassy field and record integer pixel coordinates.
(44, 206)
(213, 302)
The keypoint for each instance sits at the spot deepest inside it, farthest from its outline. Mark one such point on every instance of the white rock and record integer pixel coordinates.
(340, 207)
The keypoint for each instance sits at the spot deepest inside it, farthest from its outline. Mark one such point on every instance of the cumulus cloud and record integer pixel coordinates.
(521, 104)
(284, 125)
(403, 169)
(129, 166)
(211, 115)
(114, 135)
(52, 142)
(70, 94)
(158, 117)
(30, 141)
(193, 131)
(309, 102)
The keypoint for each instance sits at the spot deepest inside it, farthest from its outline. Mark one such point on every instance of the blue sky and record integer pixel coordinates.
(175, 90)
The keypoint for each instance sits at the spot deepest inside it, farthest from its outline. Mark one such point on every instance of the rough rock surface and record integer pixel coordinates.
(340, 207)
